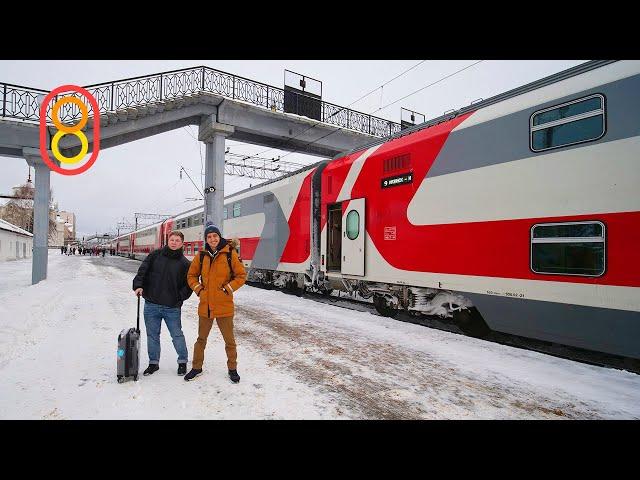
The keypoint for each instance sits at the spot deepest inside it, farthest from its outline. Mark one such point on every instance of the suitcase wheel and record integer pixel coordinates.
(135, 378)
(120, 379)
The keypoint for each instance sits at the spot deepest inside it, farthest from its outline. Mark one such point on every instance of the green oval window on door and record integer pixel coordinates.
(353, 224)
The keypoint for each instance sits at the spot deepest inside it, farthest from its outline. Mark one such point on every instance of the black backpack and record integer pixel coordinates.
(204, 252)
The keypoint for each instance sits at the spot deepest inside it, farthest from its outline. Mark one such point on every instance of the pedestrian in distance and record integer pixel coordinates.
(215, 274)
(162, 282)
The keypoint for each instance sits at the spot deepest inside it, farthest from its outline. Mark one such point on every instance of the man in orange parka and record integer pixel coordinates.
(211, 277)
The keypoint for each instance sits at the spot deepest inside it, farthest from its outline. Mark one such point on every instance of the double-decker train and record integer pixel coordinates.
(519, 214)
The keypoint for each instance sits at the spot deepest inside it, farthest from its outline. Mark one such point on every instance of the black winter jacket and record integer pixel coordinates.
(163, 277)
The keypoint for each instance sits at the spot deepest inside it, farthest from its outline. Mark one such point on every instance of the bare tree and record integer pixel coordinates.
(19, 210)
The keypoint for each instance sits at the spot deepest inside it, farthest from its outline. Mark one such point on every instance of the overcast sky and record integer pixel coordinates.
(142, 176)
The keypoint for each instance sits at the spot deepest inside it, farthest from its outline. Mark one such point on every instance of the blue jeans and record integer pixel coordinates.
(153, 315)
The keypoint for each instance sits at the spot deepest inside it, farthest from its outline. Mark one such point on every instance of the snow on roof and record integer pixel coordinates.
(4, 225)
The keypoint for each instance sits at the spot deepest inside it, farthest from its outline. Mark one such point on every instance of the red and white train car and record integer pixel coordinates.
(519, 214)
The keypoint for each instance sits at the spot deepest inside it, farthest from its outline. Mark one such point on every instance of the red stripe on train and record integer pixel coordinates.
(492, 248)
(297, 249)
(248, 247)
(501, 248)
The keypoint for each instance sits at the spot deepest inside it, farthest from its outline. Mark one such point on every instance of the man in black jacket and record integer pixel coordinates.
(162, 282)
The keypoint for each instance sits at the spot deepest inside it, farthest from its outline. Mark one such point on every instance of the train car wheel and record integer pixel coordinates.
(383, 307)
(471, 323)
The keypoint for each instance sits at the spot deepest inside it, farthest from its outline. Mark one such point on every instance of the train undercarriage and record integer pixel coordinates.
(388, 299)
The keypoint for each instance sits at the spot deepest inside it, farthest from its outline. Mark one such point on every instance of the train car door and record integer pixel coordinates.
(353, 238)
(334, 237)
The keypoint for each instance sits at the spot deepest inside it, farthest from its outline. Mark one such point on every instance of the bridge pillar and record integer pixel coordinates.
(213, 135)
(41, 200)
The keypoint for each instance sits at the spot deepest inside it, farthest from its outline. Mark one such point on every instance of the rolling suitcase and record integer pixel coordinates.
(129, 351)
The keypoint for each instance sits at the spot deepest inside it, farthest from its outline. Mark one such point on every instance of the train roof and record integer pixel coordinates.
(449, 115)
(556, 77)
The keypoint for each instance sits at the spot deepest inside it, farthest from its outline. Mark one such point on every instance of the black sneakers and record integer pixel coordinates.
(233, 375)
(153, 367)
(192, 374)
(182, 368)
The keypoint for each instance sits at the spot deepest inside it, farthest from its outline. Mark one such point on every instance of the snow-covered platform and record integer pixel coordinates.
(297, 359)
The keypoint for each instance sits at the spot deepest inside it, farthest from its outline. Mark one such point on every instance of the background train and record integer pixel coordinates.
(519, 214)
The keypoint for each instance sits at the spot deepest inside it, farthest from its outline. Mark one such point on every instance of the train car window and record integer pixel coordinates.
(353, 225)
(578, 121)
(224, 213)
(570, 248)
(196, 247)
(190, 222)
(236, 209)
(202, 219)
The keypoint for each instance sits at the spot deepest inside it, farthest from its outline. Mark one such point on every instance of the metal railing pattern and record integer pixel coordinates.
(23, 103)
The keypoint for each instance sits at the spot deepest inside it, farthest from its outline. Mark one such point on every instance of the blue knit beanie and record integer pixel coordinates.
(211, 228)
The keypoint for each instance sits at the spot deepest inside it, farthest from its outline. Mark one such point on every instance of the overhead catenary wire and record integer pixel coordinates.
(242, 158)
(395, 101)
(427, 86)
(352, 103)
(387, 82)
(317, 123)
(381, 108)
(188, 129)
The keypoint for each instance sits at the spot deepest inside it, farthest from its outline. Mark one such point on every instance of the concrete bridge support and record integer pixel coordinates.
(213, 134)
(42, 198)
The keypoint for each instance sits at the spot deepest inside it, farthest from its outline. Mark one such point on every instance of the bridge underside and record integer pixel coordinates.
(218, 118)
(250, 124)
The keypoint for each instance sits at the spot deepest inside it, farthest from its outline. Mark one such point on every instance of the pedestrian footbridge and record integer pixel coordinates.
(222, 105)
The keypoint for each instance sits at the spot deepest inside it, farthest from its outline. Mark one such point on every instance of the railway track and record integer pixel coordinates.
(581, 355)
(342, 299)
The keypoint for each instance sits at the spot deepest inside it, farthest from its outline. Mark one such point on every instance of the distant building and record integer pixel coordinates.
(70, 221)
(62, 234)
(65, 231)
(19, 213)
(15, 243)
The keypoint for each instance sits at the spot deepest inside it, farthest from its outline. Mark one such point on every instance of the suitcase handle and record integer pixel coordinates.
(138, 318)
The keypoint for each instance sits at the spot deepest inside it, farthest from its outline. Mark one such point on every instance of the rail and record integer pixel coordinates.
(23, 103)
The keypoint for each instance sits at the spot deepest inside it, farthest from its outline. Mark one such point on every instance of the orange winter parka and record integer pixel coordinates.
(212, 282)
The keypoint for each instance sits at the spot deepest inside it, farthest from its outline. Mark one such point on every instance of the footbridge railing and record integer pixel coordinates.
(23, 103)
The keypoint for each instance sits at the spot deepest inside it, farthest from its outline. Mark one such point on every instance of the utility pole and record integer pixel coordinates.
(149, 216)
(182, 169)
(122, 225)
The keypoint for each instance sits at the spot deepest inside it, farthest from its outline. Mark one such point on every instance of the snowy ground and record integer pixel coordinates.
(298, 359)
